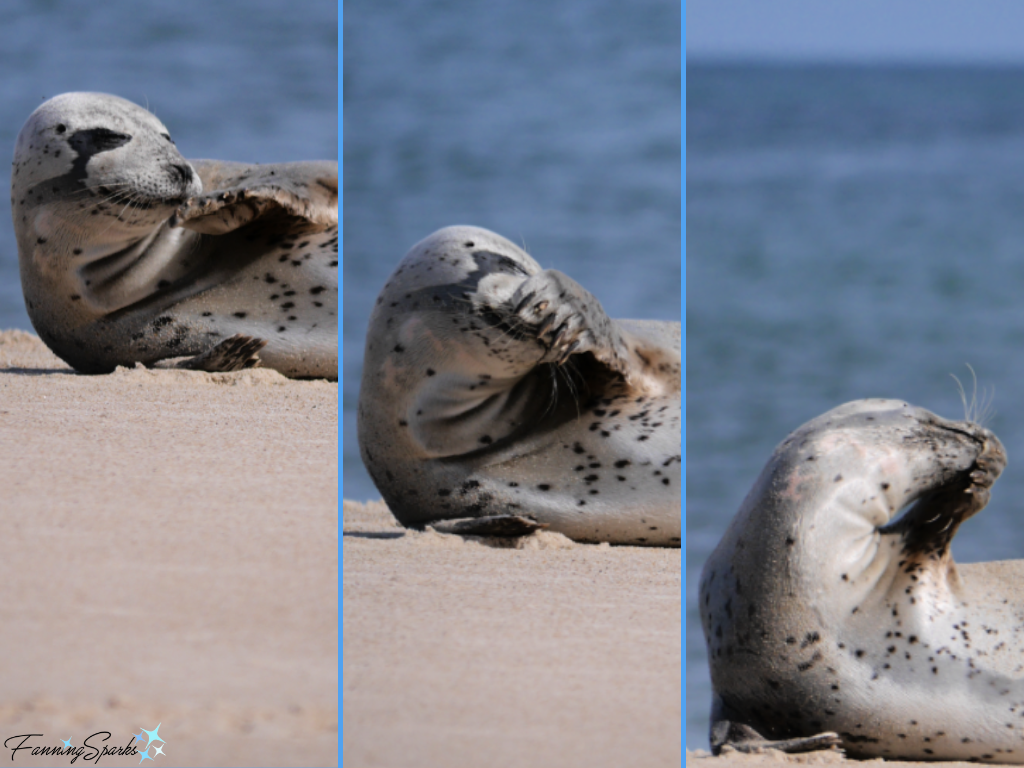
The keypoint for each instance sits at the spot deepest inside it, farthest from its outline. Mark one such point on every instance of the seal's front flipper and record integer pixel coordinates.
(504, 526)
(236, 194)
(743, 738)
(927, 529)
(567, 320)
(233, 354)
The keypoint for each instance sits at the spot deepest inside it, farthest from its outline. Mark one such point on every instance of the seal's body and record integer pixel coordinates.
(824, 613)
(494, 388)
(130, 253)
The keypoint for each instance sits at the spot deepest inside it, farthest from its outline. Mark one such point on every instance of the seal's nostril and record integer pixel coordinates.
(183, 172)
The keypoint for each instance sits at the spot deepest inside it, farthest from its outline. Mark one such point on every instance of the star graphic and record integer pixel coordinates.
(67, 742)
(158, 750)
(145, 756)
(154, 735)
(138, 736)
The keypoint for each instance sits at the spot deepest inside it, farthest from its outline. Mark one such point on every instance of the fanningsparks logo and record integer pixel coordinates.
(89, 750)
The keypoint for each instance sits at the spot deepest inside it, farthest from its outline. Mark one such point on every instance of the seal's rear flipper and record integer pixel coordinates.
(743, 738)
(504, 526)
(233, 354)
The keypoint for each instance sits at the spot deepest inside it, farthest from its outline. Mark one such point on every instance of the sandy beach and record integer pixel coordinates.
(169, 558)
(461, 652)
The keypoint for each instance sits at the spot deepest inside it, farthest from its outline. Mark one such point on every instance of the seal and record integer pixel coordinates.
(493, 389)
(832, 619)
(131, 254)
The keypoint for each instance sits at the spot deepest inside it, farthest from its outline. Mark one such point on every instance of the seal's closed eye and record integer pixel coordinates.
(94, 140)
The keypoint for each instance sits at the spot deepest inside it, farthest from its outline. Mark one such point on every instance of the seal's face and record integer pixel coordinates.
(83, 155)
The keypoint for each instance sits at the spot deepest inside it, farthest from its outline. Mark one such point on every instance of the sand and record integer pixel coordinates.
(703, 759)
(169, 556)
(460, 653)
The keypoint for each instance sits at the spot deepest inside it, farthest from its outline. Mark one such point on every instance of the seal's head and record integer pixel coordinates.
(835, 488)
(93, 153)
(866, 461)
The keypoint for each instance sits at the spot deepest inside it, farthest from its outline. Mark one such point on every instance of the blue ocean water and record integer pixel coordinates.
(247, 80)
(851, 232)
(555, 124)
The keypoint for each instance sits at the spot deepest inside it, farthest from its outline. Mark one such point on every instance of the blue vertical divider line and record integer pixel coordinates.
(682, 320)
(341, 314)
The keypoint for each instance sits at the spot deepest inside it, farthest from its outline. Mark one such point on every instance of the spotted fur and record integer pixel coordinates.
(829, 618)
(493, 387)
(130, 253)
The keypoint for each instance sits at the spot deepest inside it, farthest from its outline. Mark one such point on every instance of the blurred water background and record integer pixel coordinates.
(851, 231)
(554, 124)
(247, 80)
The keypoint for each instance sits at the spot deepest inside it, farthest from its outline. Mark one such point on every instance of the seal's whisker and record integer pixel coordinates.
(987, 410)
(117, 198)
(975, 411)
(963, 397)
(553, 393)
(131, 201)
(567, 371)
(972, 416)
(113, 197)
(97, 198)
